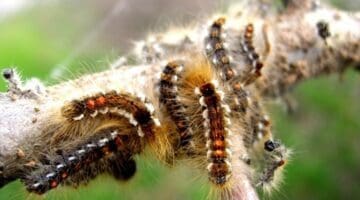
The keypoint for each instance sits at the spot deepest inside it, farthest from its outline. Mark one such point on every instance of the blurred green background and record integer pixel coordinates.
(54, 40)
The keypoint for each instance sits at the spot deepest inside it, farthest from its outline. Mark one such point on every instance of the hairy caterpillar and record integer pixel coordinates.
(137, 113)
(68, 163)
(249, 51)
(168, 97)
(216, 132)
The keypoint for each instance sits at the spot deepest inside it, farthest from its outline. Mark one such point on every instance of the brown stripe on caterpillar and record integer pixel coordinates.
(216, 52)
(69, 163)
(134, 109)
(215, 125)
(251, 55)
(168, 97)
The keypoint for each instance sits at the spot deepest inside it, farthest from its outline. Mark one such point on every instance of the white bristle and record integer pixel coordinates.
(78, 117)
(94, 114)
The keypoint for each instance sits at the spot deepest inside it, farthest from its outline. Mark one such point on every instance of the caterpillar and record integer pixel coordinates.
(168, 96)
(133, 109)
(68, 163)
(216, 50)
(216, 131)
(248, 49)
